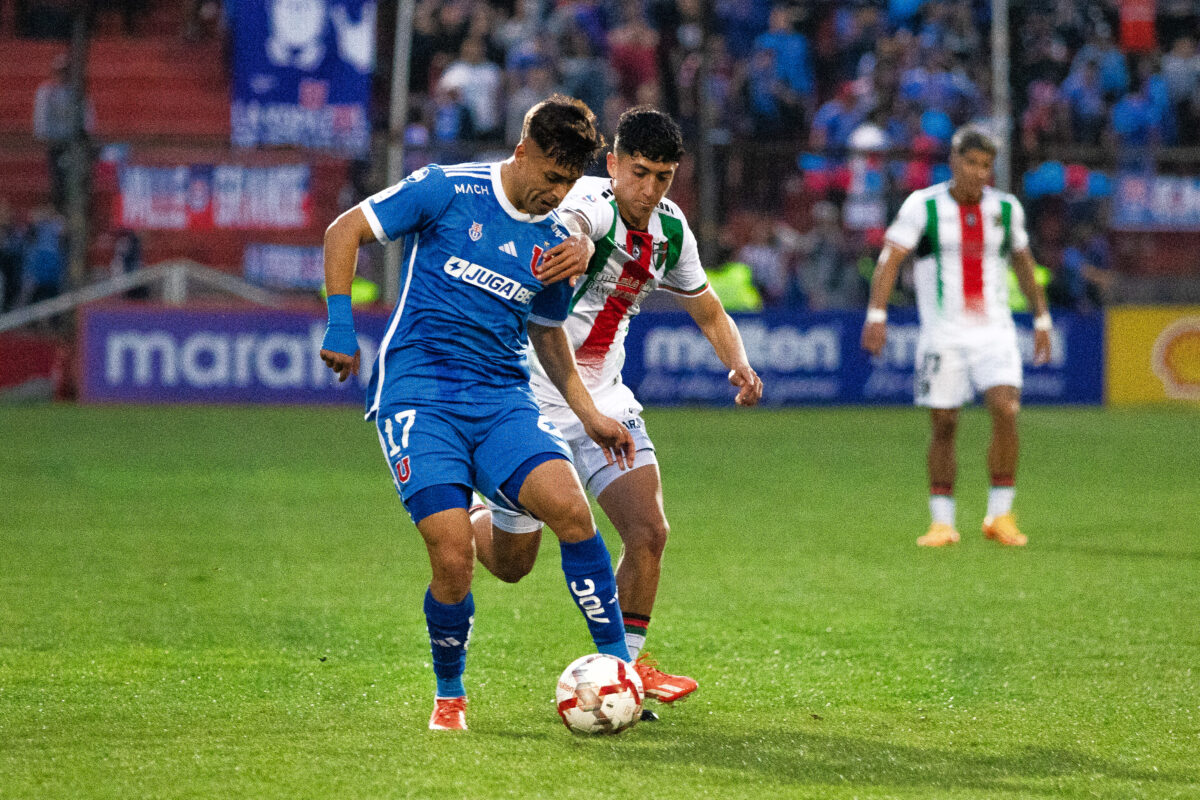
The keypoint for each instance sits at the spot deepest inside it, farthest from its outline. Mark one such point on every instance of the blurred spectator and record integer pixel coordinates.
(477, 82)
(1084, 281)
(1181, 70)
(12, 248)
(1046, 119)
(44, 261)
(53, 117)
(827, 276)
(451, 119)
(835, 121)
(584, 74)
(733, 283)
(764, 98)
(1136, 127)
(1112, 69)
(1083, 95)
(768, 262)
(126, 260)
(524, 26)
(633, 51)
(793, 66)
(534, 85)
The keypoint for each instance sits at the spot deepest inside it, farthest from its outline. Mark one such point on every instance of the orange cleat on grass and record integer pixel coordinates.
(939, 535)
(663, 687)
(1003, 529)
(449, 714)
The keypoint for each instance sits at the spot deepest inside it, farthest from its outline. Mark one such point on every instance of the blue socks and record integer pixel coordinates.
(449, 630)
(594, 588)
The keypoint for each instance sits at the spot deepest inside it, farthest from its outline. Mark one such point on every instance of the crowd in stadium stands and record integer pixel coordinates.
(849, 107)
(855, 101)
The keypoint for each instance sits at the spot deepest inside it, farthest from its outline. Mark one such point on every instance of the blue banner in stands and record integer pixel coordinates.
(151, 354)
(814, 358)
(302, 73)
(1156, 203)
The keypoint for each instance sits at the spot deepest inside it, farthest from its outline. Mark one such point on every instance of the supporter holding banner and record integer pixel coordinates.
(302, 73)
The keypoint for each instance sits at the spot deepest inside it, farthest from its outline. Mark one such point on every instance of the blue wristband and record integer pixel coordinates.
(339, 333)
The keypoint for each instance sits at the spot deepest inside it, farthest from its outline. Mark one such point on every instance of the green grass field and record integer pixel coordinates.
(205, 603)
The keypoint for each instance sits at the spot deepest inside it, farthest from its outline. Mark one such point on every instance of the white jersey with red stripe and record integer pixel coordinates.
(628, 265)
(962, 261)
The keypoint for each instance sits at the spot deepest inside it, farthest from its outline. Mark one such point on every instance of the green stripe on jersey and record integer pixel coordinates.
(931, 233)
(1006, 221)
(673, 230)
(604, 249)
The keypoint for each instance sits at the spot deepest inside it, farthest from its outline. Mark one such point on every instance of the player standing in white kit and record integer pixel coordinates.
(965, 233)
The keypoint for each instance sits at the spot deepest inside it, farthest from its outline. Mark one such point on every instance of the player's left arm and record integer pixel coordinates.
(1024, 265)
(554, 352)
(570, 258)
(722, 332)
(1025, 268)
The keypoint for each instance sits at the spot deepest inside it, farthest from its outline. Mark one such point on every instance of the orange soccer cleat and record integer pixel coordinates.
(1004, 530)
(657, 684)
(449, 714)
(939, 535)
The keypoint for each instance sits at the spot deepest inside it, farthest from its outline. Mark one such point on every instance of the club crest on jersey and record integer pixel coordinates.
(403, 470)
(537, 258)
(475, 232)
(659, 252)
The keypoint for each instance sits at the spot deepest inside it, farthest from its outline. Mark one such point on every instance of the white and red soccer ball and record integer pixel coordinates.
(599, 694)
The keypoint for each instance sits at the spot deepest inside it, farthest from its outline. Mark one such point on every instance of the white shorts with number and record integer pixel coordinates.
(948, 374)
(595, 473)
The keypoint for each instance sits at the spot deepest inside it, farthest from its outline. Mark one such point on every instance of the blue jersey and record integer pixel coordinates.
(458, 333)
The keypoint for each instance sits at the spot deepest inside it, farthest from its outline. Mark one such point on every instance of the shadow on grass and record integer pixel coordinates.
(1100, 551)
(814, 759)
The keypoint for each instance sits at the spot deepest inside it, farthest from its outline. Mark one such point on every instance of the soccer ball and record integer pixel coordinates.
(599, 694)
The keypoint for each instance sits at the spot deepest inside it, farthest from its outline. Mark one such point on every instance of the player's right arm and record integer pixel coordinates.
(901, 237)
(343, 237)
(887, 270)
(554, 353)
(407, 207)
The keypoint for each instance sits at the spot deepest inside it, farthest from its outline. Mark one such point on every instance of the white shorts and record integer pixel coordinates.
(948, 375)
(595, 473)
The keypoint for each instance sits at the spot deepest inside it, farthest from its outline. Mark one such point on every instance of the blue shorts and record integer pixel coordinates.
(478, 446)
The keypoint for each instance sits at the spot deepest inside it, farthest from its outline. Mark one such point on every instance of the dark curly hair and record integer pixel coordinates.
(565, 129)
(648, 132)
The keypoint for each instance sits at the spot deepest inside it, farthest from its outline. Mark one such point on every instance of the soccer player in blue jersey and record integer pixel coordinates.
(450, 391)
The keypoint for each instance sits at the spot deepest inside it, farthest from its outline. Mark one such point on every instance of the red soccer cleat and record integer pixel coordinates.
(661, 686)
(449, 714)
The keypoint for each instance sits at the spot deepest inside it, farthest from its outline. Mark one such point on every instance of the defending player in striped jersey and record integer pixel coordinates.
(643, 242)
(968, 233)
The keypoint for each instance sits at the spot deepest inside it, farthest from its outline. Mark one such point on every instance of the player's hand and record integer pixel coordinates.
(614, 439)
(750, 386)
(568, 259)
(874, 337)
(342, 364)
(1041, 348)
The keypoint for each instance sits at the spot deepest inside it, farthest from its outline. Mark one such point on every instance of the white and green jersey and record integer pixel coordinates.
(627, 266)
(961, 269)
